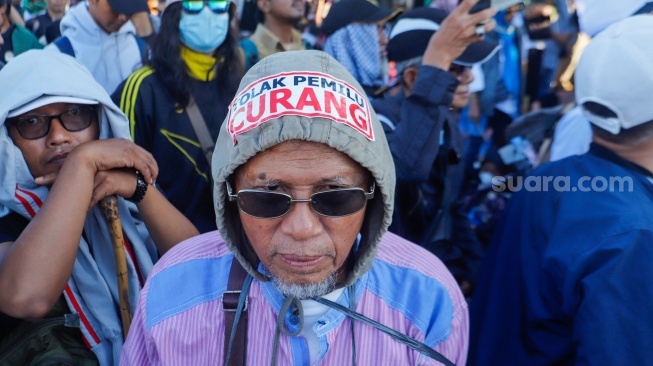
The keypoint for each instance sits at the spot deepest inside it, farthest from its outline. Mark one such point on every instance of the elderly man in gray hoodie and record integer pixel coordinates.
(303, 192)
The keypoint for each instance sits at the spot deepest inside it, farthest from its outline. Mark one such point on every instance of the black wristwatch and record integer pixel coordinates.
(141, 188)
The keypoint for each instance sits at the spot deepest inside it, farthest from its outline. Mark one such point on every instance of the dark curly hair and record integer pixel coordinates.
(172, 70)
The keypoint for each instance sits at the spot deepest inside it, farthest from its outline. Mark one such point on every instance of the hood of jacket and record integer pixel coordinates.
(31, 77)
(358, 134)
(92, 290)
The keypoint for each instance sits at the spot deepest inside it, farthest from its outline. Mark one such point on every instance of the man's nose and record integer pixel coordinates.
(57, 134)
(301, 222)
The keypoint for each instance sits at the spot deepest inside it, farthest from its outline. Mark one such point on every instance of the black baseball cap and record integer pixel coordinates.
(411, 34)
(346, 12)
(129, 7)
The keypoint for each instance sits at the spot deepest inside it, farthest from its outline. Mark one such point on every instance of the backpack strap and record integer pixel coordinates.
(64, 45)
(230, 301)
(142, 47)
(201, 130)
(251, 52)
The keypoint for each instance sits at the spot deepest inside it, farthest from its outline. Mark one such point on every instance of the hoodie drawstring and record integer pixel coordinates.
(352, 307)
(281, 324)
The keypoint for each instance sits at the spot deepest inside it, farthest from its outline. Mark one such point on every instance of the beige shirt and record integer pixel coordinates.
(267, 43)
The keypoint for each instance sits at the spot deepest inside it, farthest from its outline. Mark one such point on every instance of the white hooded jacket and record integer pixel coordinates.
(110, 57)
(92, 290)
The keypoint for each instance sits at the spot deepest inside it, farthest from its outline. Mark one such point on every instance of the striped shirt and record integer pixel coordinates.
(179, 318)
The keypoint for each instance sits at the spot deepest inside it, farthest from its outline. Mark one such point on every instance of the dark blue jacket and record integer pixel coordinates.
(427, 149)
(567, 278)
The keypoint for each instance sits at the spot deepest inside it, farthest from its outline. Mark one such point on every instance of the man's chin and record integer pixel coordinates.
(304, 290)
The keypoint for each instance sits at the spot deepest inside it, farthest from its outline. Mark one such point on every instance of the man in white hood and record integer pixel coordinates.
(64, 146)
(100, 34)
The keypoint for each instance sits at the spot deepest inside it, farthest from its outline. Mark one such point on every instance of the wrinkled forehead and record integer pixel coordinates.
(298, 162)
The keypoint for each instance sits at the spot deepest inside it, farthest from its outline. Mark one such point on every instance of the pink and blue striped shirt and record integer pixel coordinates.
(179, 318)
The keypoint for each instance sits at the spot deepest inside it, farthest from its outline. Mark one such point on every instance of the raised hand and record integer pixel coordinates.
(107, 155)
(456, 32)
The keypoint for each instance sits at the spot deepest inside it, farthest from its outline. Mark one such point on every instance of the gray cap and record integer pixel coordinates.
(347, 124)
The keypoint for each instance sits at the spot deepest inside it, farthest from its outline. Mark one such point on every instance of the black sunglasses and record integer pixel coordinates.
(35, 126)
(196, 6)
(271, 205)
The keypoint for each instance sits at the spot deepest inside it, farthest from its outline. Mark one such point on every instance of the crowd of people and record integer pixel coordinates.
(325, 182)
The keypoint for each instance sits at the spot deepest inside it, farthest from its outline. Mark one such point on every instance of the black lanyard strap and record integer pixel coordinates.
(410, 342)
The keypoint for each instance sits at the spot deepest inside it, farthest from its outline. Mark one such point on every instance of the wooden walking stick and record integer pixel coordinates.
(109, 207)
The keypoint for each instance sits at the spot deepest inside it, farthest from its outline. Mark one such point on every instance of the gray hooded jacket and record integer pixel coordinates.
(322, 103)
(372, 154)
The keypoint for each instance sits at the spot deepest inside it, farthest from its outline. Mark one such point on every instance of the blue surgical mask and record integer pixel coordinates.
(205, 31)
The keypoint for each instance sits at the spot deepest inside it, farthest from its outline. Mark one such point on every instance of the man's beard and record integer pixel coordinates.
(305, 290)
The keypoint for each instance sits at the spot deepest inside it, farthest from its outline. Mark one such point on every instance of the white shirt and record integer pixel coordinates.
(312, 312)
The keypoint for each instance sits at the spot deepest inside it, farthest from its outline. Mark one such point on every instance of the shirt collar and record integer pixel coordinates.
(270, 41)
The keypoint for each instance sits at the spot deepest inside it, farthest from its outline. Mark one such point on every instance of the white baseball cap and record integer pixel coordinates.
(616, 71)
(596, 15)
(48, 99)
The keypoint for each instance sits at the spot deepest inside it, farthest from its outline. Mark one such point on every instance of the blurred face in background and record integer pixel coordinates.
(4, 23)
(106, 18)
(465, 77)
(383, 39)
(511, 12)
(57, 6)
(287, 11)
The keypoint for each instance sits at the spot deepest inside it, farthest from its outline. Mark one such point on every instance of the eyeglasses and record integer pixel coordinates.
(457, 70)
(35, 126)
(196, 6)
(271, 205)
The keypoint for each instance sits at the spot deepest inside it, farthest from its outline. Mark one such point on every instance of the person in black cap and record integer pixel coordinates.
(350, 27)
(100, 35)
(434, 53)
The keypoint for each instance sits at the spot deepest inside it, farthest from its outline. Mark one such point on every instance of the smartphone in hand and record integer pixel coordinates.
(480, 6)
(499, 4)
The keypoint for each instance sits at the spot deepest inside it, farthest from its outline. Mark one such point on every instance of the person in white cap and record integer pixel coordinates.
(567, 276)
(64, 147)
(573, 134)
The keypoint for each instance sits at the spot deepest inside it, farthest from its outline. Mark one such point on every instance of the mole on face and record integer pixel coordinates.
(261, 176)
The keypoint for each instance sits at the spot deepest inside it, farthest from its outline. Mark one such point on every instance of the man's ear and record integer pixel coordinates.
(410, 76)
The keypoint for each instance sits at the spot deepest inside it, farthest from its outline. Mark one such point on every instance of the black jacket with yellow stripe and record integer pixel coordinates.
(160, 125)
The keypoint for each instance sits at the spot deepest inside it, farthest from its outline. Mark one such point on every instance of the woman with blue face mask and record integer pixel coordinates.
(193, 70)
